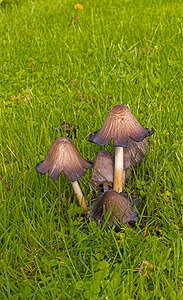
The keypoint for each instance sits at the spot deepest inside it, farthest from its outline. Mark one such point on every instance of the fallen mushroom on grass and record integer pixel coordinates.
(63, 156)
(119, 126)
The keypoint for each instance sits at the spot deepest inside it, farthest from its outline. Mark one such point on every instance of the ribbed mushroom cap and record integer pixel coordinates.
(119, 125)
(115, 205)
(63, 156)
(103, 168)
(134, 152)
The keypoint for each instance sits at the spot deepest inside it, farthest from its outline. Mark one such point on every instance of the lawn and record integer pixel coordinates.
(62, 64)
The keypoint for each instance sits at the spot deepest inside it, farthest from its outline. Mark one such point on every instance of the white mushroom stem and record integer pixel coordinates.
(118, 170)
(79, 195)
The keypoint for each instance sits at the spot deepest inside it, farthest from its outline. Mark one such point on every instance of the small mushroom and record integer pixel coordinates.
(63, 156)
(68, 129)
(102, 173)
(116, 207)
(119, 126)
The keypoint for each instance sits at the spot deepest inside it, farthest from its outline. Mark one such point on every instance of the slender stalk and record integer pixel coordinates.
(79, 195)
(124, 177)
(118, 170)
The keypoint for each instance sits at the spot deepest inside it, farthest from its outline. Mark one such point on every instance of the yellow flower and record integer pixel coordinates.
(79, 6)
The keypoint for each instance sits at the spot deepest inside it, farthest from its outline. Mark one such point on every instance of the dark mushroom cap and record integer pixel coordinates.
(103, 168)
(119, 125)
(134, 152)
(115, 205)
(64, 156)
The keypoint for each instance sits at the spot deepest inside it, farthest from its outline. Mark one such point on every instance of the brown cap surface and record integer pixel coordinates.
(134, 152)
(119, 125)
(63, 156)
(103, 168)
(115, 205)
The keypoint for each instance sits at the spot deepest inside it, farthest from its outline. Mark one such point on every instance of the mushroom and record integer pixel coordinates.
(68, 129)
(116, 207)
(63, 156)
(119, 126)
(102, 173)
(134, 152)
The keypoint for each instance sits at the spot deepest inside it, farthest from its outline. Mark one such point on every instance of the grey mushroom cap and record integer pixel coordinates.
(103, 168)
(63, 156)
(134, 152)
(116, 206)
(119, 126)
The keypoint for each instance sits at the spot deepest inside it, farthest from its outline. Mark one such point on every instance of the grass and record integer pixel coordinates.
(55, 68)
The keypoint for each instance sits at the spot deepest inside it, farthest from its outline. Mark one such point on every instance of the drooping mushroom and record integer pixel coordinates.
(63, 156)
(102, 172)
(116, 207)
(119, 126)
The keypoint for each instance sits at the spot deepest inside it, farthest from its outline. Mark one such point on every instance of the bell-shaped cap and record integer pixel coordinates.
(63, 156)
(134, 152)
(119, 126)
(103, 169)
(115, 206)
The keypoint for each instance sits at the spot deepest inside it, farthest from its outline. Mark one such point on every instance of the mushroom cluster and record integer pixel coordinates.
(109, 170)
